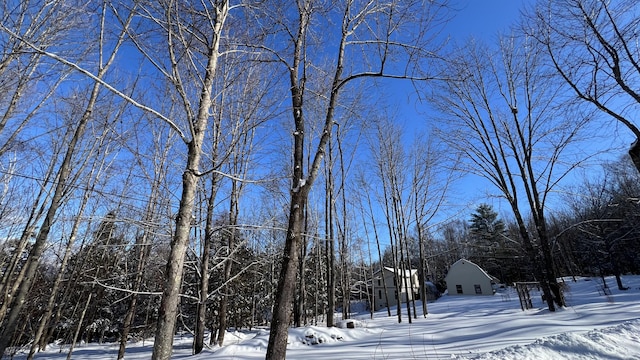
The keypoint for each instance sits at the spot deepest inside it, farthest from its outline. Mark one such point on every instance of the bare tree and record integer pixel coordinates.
(429, 185)
(21, 69)
(160, 145)
(9, 324)
(186, 59)
(502, 116)
(593, 45)
(98, 152)
(391, 165)
(176, 23)
(370, 31)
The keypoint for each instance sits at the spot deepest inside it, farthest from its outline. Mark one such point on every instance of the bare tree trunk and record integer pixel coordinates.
(41, 238)
(198, 341)
(168, 311)
(344, 245)
(61, 272)
(300, 300)
(421, 275)
(287, 279)
(330, 241)
(226, 275)
(80, 321)
(375, 233)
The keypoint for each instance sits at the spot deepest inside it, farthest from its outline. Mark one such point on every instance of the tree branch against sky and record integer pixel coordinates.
(370, 39)
(64, 180)
(593, 46)
(502, 113)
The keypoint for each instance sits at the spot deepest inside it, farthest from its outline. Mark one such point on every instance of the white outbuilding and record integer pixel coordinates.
(467, 278)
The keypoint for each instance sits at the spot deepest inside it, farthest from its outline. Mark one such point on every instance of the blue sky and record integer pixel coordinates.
(482, 19)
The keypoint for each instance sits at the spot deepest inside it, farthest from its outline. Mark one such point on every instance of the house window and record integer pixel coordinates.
(396, 295)
(378, 282)
(459, 289)
(379, 294)
(478, 289)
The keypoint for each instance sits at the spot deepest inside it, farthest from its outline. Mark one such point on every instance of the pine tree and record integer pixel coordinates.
(488, 240)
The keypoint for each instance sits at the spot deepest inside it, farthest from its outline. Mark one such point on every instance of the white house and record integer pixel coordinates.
(467, 278)
(410, 278)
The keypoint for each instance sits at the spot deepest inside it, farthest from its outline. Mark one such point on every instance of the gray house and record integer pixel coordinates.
(467, 278)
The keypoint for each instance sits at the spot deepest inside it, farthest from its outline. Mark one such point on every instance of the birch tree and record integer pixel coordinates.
(9, 324)
(193, 51)
(185, 61)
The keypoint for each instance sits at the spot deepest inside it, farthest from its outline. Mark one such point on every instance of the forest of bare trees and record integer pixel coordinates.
(171, 166)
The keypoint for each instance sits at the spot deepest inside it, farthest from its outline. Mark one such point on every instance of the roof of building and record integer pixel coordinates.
(464, 262)
(390, 269)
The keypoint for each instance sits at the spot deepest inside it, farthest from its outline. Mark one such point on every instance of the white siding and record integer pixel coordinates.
(469, 278)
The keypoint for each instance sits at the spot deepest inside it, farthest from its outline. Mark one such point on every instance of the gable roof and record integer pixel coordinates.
(408, 273)
(472, 265)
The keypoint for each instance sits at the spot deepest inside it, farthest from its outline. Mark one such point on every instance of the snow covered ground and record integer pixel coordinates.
(592, 326)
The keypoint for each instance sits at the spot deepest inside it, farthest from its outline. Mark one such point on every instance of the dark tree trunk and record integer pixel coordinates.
(198, 340)
(286, 281)
(634, 153)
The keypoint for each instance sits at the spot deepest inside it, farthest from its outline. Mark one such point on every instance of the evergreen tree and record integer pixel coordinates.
(488, 240)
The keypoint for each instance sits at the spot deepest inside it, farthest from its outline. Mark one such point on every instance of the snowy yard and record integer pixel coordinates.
(593, 326)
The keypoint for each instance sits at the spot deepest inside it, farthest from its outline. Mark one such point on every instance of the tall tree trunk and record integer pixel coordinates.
(330, 241)
(421, 275)
(394, 244)
(79, 326)
(346, 289)
(41, 239)
(198, 341)
(300, 300)
(60, 276)
(287, 279)
(168, 311)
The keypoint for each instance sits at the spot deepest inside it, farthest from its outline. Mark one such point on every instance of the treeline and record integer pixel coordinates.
(172, 166)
